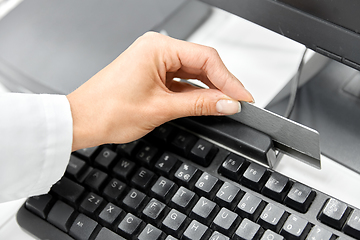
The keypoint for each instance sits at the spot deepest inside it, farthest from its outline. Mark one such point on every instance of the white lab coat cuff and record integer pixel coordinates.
(59, 141)
(35, 143)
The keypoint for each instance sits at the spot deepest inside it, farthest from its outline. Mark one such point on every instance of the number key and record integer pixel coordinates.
(166, 164)
(187, 175)
(272, 217)
(228, 195)
(146, 154)
(207, 185)
(250, 207)
(295, 228)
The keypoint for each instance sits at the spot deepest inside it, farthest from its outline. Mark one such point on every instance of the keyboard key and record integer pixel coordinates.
(154, 211)
(196, 231)
(146, 154)
(203, 152)
(187, 175)
(225, 222)
(300, 197)
(175, 223)
(334, 213)
(166, 164)
(60, 215)
(204, 211)
(295, 228)
(163, 189)
(170, 238)
(142, 179)
(123, 169)
(128, 149)
(130, 226)
(276, 187)
(134, 201)
(250, 207)
(233, 167)
(218, 236)
(96, 180)
(40, 205)
(109, 215)
(272, 217)
(106, 234)
(352, 226)
(151, 233)
(319, 233)
(105, 159)
(87, 154)
(114, 191)
(254, 177)
(207, 185)
(68, 191)
(228, 195)
(183, 200)
(248, 230)
(183, 142)
(83, 227)
(163, 133)
(91, 204)
(270, 235)
(75, 168)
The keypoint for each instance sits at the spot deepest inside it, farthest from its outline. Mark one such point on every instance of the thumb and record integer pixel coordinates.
(202, 102)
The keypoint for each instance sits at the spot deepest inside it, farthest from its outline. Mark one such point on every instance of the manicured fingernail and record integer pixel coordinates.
(228, 107)
(250, 96)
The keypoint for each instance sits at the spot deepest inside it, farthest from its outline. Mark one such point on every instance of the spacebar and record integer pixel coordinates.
(233, 134)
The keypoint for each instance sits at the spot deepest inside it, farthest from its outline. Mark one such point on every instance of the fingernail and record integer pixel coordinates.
(228, 107)
(250, 96)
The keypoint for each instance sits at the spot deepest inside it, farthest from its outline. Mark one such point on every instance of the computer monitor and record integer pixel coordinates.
(330, 101)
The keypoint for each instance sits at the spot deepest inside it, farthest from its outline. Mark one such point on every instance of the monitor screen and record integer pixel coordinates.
(344, 13)
(325, 26)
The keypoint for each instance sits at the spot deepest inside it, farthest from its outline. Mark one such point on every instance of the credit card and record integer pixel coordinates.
(289, 137)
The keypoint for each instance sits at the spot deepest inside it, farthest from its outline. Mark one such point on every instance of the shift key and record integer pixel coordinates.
(68, 190)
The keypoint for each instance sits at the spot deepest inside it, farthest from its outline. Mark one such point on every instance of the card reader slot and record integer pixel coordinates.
(234, 135)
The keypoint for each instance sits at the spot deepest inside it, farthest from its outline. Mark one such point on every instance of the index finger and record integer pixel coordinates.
(198, 59)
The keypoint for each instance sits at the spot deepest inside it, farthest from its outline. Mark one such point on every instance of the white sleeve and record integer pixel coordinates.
(35, 143)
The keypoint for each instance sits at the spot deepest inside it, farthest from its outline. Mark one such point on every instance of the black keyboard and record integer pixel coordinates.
(174, 184)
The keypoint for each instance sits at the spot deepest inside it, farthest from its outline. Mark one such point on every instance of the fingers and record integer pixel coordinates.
(194, 59)
(185, 75)
(182, 87)
(205, 61)
(201, 102)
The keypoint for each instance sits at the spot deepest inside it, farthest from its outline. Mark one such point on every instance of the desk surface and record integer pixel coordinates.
(264, 62)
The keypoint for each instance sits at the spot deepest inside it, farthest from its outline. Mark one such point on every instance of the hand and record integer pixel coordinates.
(136, 92)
